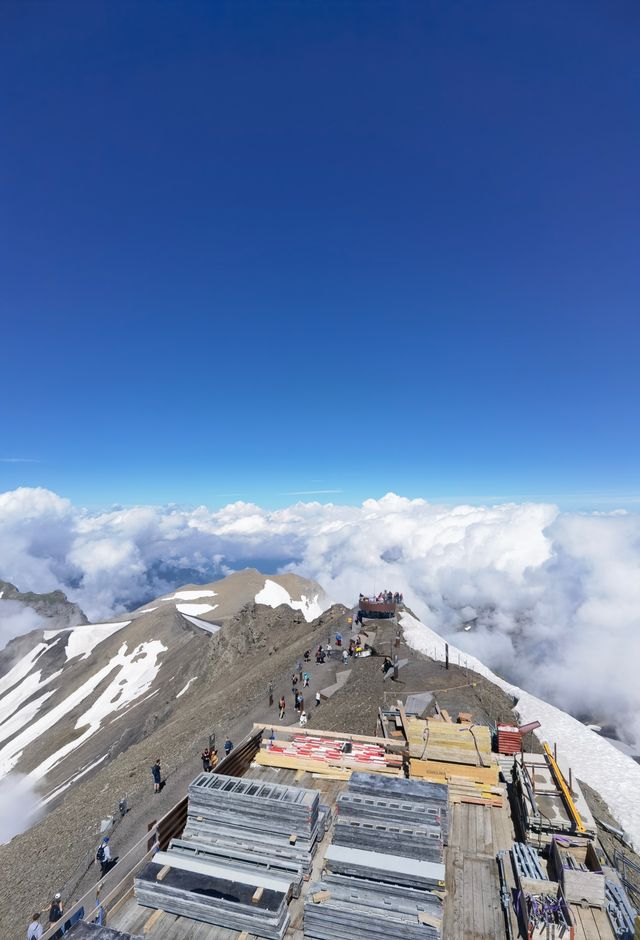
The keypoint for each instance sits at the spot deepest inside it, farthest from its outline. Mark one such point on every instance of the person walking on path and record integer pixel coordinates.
(56, 910)
(299, 670)
(205, 757)
(317, 699)
(103, 855)
(228, 746)
(305, 679)
(282, 705)
(270, 694)
(34, 930)
(303, 719)
(156, 773)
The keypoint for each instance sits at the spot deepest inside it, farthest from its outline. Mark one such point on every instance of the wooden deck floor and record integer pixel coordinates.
(472, 909)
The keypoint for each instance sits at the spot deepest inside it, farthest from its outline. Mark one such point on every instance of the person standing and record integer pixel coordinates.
(282, 705)
(317, 699)
(299, 670)
(228, 746)
(205, 757)
(34, 930)
(305, 679)
(156, 773)
(303, 719)
(270, 690)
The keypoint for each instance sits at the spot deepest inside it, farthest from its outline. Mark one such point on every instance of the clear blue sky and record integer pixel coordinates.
(251, 249)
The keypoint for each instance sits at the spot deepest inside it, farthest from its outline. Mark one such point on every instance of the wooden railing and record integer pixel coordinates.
(96, 902)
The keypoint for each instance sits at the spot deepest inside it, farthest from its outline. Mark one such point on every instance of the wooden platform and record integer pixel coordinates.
(591, 923)
(132, 918)
(472, 909)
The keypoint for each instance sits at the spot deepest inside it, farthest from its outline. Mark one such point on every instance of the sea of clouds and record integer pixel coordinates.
(552, 599)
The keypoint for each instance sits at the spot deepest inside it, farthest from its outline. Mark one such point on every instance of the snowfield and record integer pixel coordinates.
(273, 594)
(133, 673)
(593, 759)
(84, 638)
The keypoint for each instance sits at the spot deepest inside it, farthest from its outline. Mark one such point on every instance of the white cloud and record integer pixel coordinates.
(555, 598)
(19, 806)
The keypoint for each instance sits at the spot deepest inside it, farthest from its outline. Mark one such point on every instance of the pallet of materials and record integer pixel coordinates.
(579, 872)
(542, 809)
(247, 802)
(214, 900)
(478, 785)
(432, 739)
(315, 754)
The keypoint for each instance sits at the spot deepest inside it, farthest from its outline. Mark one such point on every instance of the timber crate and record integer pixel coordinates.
(578, 869)
(541, 929)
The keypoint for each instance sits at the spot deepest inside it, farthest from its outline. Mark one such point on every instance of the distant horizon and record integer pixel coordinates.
(586, 502)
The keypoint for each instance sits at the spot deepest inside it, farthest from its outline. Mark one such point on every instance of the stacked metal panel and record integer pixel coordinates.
(434, 796)
(246, 862)
(247, 804)
(424, 842)
(215, 900)
(351, 920)
(245, 851)
(384, 870)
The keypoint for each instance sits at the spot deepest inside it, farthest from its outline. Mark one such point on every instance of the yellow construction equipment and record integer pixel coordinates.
(562, 784)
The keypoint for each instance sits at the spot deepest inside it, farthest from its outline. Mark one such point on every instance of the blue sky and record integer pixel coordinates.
(249, 250)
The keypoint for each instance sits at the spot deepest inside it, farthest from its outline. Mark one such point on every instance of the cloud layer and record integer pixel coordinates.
(553, 599)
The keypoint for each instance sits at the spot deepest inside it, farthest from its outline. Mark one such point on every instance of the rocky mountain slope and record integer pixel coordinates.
(74, 695)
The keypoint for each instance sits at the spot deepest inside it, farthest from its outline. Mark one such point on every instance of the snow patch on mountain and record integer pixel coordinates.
(195, 609)
(189, 595)
(83, 639)
(135, 673)
(273, 595)
(593, 759)
(22, 667)
(182, 691)
(203, 624)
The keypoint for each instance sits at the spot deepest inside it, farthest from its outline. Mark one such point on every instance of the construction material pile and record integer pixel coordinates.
(458, 755)
(509, 739)
(544, 910)
(384, 872)
(245, 851)
(330, 756)
(549, 801)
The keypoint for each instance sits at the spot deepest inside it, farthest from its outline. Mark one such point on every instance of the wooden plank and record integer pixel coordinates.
(162, 874)
(257, 894)
(152, 921)
(320, 896)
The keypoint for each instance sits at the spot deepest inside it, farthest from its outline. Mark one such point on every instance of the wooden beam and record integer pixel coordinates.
(152, 921)
(162, 874)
